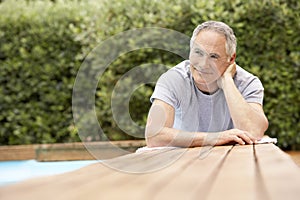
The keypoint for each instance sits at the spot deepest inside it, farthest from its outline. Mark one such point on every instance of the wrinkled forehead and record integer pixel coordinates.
(210, 41)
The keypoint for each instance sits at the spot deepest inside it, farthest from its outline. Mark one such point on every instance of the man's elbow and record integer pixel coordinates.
(154, 139)
(260, 130)
(265, 125)
(150, 143)
(154, 142)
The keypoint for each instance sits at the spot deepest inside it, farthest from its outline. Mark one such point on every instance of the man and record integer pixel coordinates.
(208, 99)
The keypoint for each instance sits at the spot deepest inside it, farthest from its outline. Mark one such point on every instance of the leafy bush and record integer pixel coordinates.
(40, 55)
(43, 44)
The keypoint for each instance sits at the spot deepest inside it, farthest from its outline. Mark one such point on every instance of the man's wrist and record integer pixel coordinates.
(224, 80)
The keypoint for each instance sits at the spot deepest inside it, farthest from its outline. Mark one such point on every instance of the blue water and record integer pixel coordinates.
(16, 171)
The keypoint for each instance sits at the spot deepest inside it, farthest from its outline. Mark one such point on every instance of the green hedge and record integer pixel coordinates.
(43, 44)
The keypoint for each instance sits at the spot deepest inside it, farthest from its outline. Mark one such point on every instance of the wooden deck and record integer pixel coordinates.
(226, 172)
(68, 151)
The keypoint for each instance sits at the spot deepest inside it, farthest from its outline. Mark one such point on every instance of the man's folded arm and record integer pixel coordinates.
(160, 132)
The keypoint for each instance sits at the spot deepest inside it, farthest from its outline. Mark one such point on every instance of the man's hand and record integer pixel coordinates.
(231, 136)
(228, 73)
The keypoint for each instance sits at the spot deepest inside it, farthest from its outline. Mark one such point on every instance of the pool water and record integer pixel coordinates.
(16, 171)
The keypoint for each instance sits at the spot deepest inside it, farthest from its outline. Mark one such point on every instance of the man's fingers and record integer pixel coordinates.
(252, 138)
(245, 137)
(233, 69)
(236, 135)
(238, 140)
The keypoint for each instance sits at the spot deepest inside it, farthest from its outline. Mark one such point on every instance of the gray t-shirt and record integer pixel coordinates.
(196, 111)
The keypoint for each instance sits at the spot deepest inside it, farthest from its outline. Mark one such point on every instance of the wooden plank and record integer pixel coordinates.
(69, 151)
(59, 183)
(239, 172)
(281, 176)
(79, 151)
(45, 187)
(172, 182)
(97, 175)
(129, 185)
(237, 177)
(17, 152)
(197, 175)
(147, 161)
(95, 181)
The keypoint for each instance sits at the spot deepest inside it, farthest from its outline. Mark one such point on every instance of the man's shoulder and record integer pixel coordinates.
(179, 72)
(183, 68)
(243, 75)
(243, 78)
(172, 85)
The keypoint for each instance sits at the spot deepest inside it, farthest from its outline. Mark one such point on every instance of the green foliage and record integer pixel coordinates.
(43, 44)
(39, 58)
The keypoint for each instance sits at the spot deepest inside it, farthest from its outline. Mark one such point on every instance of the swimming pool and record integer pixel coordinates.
(16, 171)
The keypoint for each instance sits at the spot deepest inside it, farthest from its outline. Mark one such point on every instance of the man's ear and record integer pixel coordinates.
(232, 58)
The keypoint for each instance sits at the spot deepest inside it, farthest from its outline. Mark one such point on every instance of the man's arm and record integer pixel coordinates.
(246, 116)
(159, 131)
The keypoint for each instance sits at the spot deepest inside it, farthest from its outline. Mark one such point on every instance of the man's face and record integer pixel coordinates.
(208, 57)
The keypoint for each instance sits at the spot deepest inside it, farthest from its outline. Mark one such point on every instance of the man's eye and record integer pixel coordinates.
(214, 57)
(199, 52)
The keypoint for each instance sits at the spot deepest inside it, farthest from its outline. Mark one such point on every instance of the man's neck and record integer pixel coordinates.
(208, 89)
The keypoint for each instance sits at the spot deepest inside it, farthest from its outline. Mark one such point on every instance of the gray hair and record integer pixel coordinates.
(219, 27)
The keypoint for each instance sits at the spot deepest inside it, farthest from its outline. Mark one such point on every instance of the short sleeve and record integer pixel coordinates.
(167, 89)
(254, 92)
(250, 86)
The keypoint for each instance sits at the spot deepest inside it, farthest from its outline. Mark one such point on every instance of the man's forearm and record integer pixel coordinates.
(173, 137)
(244, 116)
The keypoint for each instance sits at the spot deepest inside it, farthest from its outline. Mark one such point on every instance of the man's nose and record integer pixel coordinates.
(204, 62)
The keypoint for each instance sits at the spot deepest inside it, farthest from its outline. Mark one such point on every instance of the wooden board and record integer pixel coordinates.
(236, 176)
(226, 172)
(177, 181)
(69, 151)
(281, 176)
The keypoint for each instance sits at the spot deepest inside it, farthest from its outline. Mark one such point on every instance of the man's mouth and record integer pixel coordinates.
(201, 71)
